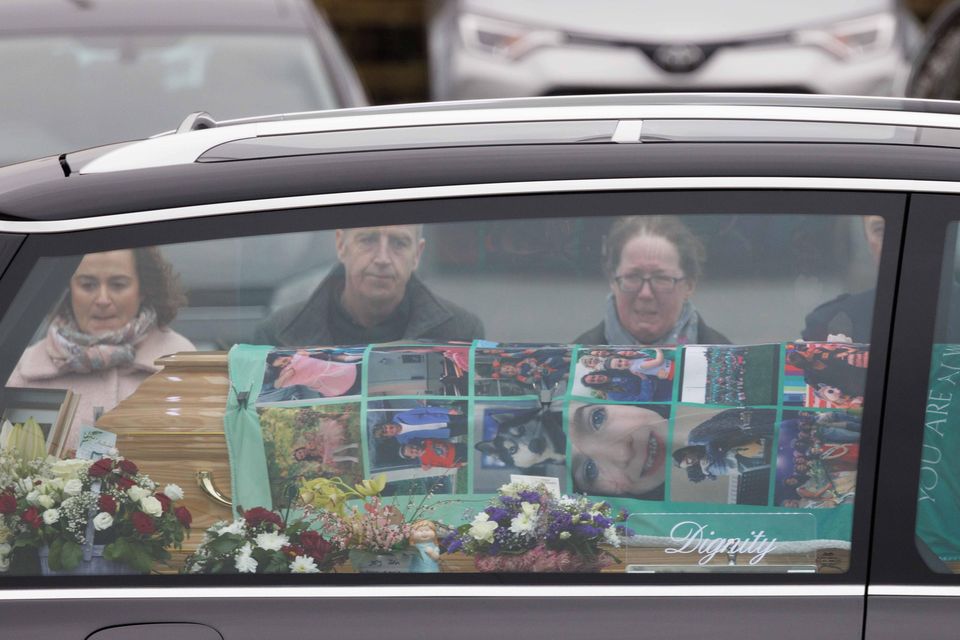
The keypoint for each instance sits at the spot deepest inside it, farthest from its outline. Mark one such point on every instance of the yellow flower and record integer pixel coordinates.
(372, 486)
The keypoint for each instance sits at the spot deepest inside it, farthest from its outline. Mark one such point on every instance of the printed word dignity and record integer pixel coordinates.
(692, 537)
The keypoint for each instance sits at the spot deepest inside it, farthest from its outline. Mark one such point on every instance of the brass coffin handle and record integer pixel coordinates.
(205, 482)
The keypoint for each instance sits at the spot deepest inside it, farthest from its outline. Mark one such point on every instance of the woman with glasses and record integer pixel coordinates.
(653, 264)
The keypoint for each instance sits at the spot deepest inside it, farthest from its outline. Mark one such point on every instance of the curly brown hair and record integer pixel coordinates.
(691, 249)
(159, 286)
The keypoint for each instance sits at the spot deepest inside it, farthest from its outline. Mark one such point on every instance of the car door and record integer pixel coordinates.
(913, 585)
(777, 263)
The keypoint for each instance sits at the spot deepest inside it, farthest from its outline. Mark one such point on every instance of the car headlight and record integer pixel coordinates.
(505, 39)
(852, 38)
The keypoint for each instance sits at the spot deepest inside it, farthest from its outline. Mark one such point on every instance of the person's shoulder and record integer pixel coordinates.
(849, 314)
(270, 328)
(167, 338)
(442, 320)
(592, 336)
(708, 335)
(34, 364)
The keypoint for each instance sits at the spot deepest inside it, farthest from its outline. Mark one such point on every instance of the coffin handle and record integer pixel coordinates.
(205, 482)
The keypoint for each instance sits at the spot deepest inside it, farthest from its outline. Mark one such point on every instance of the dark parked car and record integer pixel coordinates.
(598, 366)
(80, 74)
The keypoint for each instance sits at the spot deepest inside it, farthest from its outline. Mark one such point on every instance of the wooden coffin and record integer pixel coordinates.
(172, 427)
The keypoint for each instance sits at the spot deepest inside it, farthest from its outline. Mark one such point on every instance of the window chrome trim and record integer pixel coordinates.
(929, 591)
(185, 148)
(465, 190)
(448, 591)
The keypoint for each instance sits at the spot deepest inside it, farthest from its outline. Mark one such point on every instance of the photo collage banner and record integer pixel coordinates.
(719, 429)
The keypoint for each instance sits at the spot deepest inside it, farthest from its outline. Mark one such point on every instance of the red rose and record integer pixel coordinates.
(32, 517)
(184, 516)
(314, 545)
(8, 503)
(107, 504)
(258, 515)
(142, 523)
(127, 466)
(101, 467)
(124, 482)
(164, 500)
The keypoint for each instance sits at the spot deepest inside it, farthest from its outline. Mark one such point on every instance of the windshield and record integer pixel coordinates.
(76, 92)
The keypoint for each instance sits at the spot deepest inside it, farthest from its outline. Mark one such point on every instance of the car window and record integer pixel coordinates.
(162, 79)
(937, 512)
(641, 393)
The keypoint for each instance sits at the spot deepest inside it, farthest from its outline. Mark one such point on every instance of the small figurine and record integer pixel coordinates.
(423, 536)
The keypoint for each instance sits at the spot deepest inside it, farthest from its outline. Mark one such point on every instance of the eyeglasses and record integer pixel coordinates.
(633, 283)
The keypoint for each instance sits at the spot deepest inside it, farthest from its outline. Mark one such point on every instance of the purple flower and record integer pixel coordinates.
(622, 515)
(496, 513)
(601, 522)
(586, 530)
(529, 496)
(452, 542)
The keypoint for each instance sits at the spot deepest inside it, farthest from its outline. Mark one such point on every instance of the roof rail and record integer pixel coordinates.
(196, 121)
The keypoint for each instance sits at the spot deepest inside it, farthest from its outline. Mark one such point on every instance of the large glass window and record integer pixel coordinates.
(644, 394)
(938, 516)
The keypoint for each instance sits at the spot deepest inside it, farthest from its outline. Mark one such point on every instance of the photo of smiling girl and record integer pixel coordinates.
(619, 450)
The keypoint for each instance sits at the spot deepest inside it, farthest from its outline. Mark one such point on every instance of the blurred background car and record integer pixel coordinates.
(936, 69)
(88, 72)
(504, 48)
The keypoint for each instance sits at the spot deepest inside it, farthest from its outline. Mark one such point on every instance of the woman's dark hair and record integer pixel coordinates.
(596, 385)
(691, 249)
(159, 286)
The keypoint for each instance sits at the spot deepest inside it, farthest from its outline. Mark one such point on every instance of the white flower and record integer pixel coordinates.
(33, 497)
(511, 490)
(482, 528)
(45, 501)
(4, 564)
(69, 469)
(25, 486)
(244, 562)
(271, 541)
(113, 452)
(102, 520)
(526, 521)
(137, 493)
(73, 487)
(303, 564)
(151, 506)
(50, 516)
(5, 549)
(237, 527)
(610, 535)
(568, 501)
(173, 492)
(564, 535)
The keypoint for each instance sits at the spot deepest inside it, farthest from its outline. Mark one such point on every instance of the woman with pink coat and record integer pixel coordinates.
(108, 331)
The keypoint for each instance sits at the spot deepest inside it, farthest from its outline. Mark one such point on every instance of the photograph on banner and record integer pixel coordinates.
(518, 437)
(731, 376)
(519, 370)
(619, 449)
(418, 371)
(722, 455)
(817, 459)
(825, 375)
(306, 374)
(410, 440)
(302, 443)
(625, 374)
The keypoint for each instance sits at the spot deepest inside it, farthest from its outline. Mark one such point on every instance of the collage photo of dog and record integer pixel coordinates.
(762, 425)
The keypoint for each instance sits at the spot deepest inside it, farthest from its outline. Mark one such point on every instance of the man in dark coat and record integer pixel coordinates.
(373, 295)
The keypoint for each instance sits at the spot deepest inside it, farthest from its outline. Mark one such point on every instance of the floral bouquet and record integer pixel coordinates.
(62, 507)
(527, 529)
(260, 542)
(367, 525)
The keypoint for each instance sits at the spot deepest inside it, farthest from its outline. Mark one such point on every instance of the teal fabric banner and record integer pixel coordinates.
(938, 509)
(713, 429)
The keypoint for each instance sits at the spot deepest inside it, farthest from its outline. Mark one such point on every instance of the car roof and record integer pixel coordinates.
(125, 16)
(176, 170)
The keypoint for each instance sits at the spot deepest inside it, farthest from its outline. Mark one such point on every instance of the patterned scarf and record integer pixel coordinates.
(683, 332)
(73, 351)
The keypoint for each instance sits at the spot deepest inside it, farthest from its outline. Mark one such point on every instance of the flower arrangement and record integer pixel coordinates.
(261, 542)
(369, 525)
(65, 505)
(527, 529)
